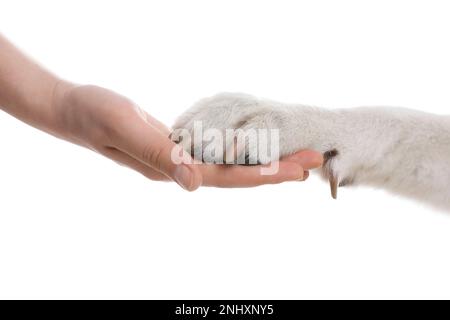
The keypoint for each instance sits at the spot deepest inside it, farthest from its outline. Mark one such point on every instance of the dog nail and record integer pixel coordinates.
(333, 186)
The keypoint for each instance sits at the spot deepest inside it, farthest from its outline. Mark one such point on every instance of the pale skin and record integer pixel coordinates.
(114, 126)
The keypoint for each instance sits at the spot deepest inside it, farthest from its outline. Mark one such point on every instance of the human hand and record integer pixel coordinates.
(117, 128)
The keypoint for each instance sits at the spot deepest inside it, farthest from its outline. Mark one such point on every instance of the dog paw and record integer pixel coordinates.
(230, 127)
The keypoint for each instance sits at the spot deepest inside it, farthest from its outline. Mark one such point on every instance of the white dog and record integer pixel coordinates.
(401, 150)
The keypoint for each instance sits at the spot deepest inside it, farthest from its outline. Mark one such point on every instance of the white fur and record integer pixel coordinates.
(401, 150)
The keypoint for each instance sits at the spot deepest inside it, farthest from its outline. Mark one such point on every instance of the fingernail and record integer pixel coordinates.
(305, 175)
(183, 176)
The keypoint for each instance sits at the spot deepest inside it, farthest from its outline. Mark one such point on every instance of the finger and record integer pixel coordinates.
(124, 159)
(308, 159)
(249, 176)
(147, 144)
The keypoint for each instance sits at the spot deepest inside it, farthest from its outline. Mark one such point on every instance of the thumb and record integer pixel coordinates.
(149, 145)
(185, 173)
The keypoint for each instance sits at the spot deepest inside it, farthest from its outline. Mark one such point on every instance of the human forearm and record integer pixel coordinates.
(26, 89)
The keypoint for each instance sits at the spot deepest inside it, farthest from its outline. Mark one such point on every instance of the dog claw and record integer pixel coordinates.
(328, 156)
(333, 186)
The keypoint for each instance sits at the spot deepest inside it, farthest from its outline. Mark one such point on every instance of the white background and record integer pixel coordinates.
(75, 225)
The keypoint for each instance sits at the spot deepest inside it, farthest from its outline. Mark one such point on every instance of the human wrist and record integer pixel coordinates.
(61, 89)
